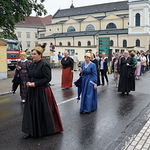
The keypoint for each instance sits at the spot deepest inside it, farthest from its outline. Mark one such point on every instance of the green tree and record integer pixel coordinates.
(13, 11)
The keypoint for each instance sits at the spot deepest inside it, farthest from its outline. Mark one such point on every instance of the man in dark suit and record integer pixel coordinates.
(104, 68)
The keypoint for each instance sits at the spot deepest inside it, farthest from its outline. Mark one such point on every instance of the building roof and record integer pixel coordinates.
(63, 21)
(92, 9)
(60, 22)
(3, 43)
(37, 22)
(100, 18)
(123, 15)
(46, 20)
(87, 33)
(79, 20)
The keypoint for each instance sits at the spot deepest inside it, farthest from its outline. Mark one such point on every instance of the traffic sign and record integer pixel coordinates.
(104, 45)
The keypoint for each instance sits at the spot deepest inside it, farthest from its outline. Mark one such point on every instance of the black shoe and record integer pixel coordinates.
(122, 93)
(87, 112)
(26, 136)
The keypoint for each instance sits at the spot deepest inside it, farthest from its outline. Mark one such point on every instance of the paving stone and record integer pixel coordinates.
(144, 138)
(145, 128)
(146, 134)
(130, 147)
(142, 131)
(147, 125)
(141, 142)
(138, 147)
(146, 146)
(140, 135)
(143, 149)
(148, 140)
(148, 131)
(134, 143)
(137, 139)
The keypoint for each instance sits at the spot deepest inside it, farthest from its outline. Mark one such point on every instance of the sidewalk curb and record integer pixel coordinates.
(5, 93)
(131, 131)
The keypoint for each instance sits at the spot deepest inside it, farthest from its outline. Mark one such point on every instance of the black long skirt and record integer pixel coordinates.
(98, 77)
(41, 115)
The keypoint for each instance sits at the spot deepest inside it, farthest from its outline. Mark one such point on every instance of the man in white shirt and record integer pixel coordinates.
(76, 61)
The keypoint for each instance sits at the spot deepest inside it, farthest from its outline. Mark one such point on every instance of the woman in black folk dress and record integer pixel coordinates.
(126, 77)
(41, 115)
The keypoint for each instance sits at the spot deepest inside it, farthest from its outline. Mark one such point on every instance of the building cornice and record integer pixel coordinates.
(87, 33)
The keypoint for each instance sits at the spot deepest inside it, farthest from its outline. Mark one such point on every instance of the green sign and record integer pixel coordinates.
(104, 45)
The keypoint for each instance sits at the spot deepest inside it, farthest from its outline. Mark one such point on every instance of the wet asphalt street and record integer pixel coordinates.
(116, 119)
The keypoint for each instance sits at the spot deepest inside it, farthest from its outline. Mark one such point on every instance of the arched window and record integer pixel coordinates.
(111, 43)
(79, 43)
(60, 43)
(89, 43)
(124, 43)
(90, 27)
(111, 26)
(71, 29)
(137, 42)
(137, 20)
(69, 44)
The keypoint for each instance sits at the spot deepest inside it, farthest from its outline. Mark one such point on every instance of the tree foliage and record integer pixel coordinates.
(13, 11)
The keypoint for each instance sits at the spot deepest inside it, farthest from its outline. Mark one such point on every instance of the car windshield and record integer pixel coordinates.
(13, 47)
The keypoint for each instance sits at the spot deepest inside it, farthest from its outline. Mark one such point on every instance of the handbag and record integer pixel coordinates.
(16, 82)
(78, 84)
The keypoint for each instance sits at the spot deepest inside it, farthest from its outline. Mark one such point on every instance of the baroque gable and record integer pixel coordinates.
(111, 16)
(71, 21)
(89, 19)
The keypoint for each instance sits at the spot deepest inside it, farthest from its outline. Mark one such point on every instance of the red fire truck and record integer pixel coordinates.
(13, 53)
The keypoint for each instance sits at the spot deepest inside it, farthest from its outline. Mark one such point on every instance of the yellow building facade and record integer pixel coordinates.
(125, 23)
(3, 60)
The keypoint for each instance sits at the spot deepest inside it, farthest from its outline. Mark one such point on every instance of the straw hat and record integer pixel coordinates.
(88, 54)
(40, 48)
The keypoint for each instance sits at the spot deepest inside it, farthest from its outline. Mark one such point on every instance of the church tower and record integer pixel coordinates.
(139, 17)
(72, 6)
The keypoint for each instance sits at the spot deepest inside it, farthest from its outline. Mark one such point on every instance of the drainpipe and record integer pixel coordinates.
(117, 40)
(55, 41)
(62, 28)
(73, 41)
(123, 23)
(94, 39)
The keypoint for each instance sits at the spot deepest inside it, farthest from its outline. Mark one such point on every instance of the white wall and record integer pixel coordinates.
(24, 38)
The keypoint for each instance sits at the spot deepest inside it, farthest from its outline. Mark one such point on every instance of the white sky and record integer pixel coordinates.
(53, 5)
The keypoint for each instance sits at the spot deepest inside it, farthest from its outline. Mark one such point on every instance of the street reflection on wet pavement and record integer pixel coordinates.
(96, 130)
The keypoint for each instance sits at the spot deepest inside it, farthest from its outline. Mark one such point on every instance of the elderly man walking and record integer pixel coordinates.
(76, 61)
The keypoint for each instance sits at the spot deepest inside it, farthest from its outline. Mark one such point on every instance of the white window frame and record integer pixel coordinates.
(19, 34)
(28, 35)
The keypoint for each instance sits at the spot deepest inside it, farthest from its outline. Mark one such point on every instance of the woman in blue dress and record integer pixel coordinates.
(89, 86)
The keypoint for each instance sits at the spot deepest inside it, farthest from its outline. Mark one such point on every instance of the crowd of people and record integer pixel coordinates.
(126, 67)
(137, 64)
(41, 115)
